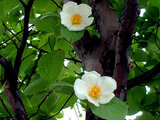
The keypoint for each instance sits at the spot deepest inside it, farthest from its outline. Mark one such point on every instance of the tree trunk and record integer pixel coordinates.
(108, 55)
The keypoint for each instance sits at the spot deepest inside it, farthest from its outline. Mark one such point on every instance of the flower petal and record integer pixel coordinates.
(84, 10)
(88, 21)
(65, 19)
(76, 27)
(81, 89)
(93, 101)
(69, 7)
(91, 77)
(103, 99)
(107, 84)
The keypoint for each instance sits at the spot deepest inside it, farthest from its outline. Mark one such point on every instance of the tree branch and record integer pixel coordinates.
(123, 41)
(9, 72)
(14, 35)
(12, 92)
(144, 78)
(11, 38)
(25, 37)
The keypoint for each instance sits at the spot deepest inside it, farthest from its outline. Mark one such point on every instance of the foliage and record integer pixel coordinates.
(54, 80)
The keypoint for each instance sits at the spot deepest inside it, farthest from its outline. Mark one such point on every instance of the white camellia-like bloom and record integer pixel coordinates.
(94, 88)
(75, 17)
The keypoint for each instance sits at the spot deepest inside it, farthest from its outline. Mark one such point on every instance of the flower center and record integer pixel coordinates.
(95, 92)
(76, 19)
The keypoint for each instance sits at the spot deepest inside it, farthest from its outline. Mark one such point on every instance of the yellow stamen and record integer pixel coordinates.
(76, 19)
(95, 92)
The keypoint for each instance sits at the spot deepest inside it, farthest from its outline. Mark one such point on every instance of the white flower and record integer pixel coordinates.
(75, 17)
(97, 89)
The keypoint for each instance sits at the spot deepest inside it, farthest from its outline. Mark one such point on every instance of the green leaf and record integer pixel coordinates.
(145, 116)
(115, 110)
(50, 102)
(140, 55)
(149, 99)
(47, 24)
(50, 65)
(155, 3)
(62, 100)
(71, 36)
(43, 6)
(37, 98)
(134, 99)
(36, 86)
(6, 8)
(44, 39)
(69, 80)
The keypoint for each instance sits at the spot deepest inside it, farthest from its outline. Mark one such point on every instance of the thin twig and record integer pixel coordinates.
(15, 35)
(34, 68)
(138, 67)
(9, 38)
(56, 4)
(37, 48)
(74, 60)
(62, 106)
(23, 81)
(24, 5)
(28, 56)
(40, 104)
(33, 71)
(10, 115)
(11, 32)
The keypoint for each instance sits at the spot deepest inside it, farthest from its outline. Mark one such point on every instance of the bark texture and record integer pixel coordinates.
(12, 92)
(109, 54)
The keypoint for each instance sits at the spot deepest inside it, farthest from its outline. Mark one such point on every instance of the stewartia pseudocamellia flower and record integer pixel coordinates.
(75, 17)
(94, 88)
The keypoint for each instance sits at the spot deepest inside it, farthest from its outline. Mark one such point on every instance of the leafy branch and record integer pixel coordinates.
(144, 78)
(62, 106)
(40, 104)
(11, 74)
(27, 9)
(9, 38)
(12, 32)
(33, 71)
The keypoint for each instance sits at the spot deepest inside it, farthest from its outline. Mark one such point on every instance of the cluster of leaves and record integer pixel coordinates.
(46, 81)
(145, 52)
(49, 64)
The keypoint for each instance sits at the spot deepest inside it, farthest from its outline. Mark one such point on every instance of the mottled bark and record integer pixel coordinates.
(108, 55)
(128, 20)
